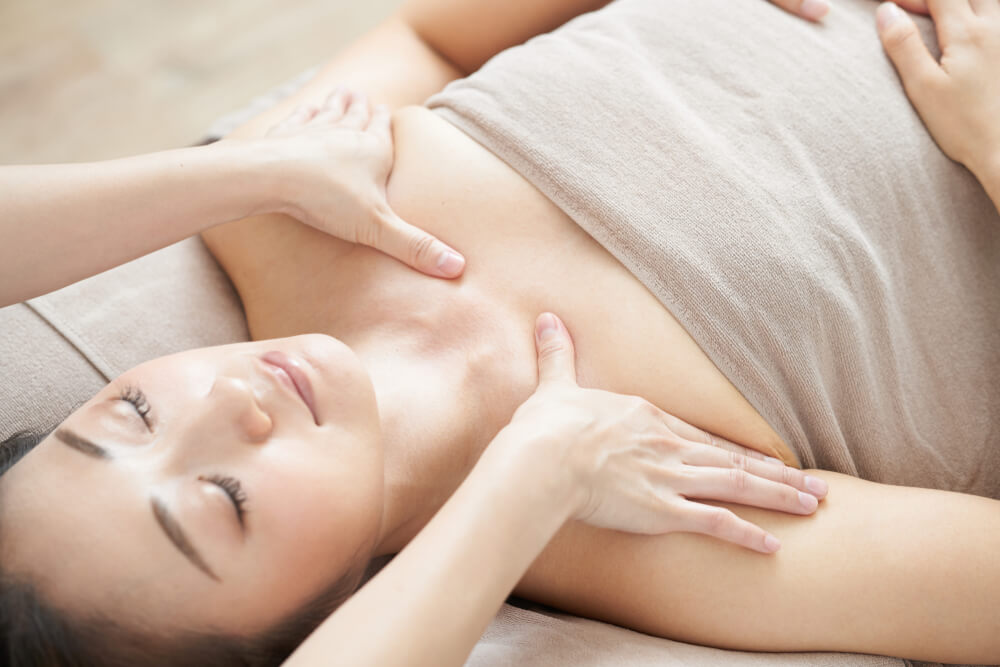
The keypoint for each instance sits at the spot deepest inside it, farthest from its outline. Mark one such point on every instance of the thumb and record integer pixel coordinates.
(417, 249)
(555, 350)
(906, 49)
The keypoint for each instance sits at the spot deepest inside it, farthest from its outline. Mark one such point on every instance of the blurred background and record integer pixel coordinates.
(96, 79)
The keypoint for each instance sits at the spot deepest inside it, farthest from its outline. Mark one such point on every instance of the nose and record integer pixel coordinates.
(233, 401)
(216, 427)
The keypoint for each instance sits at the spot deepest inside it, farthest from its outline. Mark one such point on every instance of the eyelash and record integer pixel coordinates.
(233, 489)
(132, 394)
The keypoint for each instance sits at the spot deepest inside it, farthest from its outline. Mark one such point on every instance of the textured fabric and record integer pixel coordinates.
(58, 350)
(768, 181)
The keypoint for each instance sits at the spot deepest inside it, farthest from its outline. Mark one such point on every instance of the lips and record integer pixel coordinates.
(290, 373)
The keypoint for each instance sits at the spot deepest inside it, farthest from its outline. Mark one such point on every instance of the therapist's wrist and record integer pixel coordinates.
(253, 175)
(532, 464)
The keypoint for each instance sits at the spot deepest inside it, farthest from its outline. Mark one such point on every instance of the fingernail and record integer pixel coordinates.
(771, 459)
(817, 486)
(808, 501)
(546, 328)
(450, 263)
(814, 10)
(888, 13)
(771, 543)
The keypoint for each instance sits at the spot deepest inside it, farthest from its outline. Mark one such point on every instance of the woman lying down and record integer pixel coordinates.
(741, 220)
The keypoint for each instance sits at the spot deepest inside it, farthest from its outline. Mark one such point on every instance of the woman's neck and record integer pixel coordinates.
(449, 368)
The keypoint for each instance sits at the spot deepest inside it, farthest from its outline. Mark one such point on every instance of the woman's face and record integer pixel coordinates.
(214, 489)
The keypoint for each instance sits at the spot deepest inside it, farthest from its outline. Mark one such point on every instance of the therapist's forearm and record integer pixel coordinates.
(62, 223)
(432, 603)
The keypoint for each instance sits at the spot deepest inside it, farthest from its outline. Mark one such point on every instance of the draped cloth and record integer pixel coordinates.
(767, 179)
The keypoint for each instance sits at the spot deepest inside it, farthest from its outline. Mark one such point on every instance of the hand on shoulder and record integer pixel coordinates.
(333, 163)
(630, 466)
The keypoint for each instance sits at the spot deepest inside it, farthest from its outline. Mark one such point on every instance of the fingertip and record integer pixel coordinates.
(816, 486)
(450, 264)
(556, 354)
(771, 544)
(808, 502)
(814, 10)
(546, 326)
(888, 15)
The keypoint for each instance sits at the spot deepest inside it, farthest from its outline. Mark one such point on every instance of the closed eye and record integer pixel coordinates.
(234, 490)
(131, 393)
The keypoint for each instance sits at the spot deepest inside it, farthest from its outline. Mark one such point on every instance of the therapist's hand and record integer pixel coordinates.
(958, 98)
(815, 10)
(334, 163)
(633, 467)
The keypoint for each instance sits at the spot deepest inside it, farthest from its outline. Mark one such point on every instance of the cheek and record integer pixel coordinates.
(318, 505)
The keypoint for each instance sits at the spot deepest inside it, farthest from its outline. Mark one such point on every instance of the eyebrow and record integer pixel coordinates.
(81, 444)
(164, 519)
(173, 531)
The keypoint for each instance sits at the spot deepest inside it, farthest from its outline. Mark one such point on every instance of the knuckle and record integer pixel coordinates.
(420, 248)
(739, 461)
(745, 534)
(791, 476)
(371, 235)
(900, 36)
(740, 480)
(716, 521)
(673, 443)
(551, 347)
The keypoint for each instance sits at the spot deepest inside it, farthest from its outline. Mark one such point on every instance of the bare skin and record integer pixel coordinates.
(455, 189)
(844, 580)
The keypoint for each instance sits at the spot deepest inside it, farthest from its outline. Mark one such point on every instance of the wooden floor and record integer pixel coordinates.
(94, 79)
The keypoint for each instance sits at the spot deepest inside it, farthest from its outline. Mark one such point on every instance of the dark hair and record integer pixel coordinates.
(36, 632)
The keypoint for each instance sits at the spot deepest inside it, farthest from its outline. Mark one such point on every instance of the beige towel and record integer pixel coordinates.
(768, 181)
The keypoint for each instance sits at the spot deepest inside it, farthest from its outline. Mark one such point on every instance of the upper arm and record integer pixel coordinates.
(866, 573)
(469, 32)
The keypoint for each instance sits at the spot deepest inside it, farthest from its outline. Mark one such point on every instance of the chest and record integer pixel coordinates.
(527, 256)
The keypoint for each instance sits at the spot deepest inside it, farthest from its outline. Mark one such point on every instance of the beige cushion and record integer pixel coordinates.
(59, 349)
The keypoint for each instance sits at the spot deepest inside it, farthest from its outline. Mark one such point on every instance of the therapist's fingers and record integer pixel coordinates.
(816, 10)
(358, 113)
(556, 353)
(951, 17)
(720, 523)
(335, 105)
(735, 485)
(915, 6)
(782, 474)
(415, 247)
(985, 7)
(813, 10)
(906, 49)
(695, 434)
